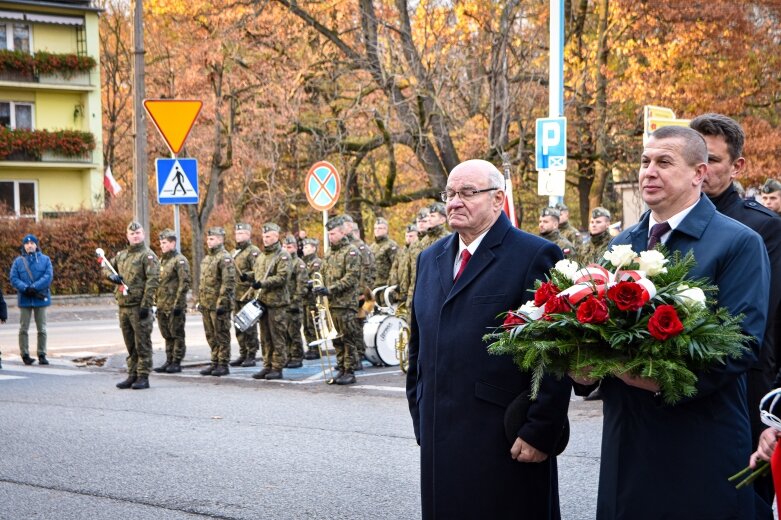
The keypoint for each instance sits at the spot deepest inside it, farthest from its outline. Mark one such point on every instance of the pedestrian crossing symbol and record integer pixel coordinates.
(177, 181)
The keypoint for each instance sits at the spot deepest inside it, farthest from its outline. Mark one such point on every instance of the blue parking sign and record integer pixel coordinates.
(551, 143)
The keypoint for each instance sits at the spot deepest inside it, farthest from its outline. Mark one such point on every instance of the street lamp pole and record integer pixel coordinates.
(140, 195)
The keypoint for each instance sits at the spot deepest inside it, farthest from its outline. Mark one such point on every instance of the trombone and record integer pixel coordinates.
(324, 329)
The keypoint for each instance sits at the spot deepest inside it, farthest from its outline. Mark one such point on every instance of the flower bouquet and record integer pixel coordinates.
(644, 318)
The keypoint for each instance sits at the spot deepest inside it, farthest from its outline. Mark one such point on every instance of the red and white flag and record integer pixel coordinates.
(509, 203)
(111, 183)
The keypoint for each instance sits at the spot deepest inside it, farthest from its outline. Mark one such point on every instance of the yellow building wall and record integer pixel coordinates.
(55, 111)
(54, 38)
(7, 94)
(58, 190)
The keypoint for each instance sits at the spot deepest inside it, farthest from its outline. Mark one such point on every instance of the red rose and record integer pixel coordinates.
(557, 305)
(665, 323)
(544, 293)
(513, 320)
(593, 310)
(629, 296)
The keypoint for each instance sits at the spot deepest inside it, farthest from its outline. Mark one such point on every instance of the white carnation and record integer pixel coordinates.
(692, 296)
(652, 262)
(620, 256)
(567, 267)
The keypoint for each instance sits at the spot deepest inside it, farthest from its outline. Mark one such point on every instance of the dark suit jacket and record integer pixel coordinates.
(670, 462)
(458, 393)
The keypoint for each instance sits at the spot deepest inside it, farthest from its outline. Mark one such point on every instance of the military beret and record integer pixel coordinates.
(270, 226)
(412, 228)
(550, 212)
(311, 242)
(216, 231)
(334, 222)
(423, 213)
(346, 218)
(600, 212)
(289, 239)
(243, 226)
(167, 234)
(134, 226)
(437, 207)
(771, 185)
(379, 221)
(561, 207)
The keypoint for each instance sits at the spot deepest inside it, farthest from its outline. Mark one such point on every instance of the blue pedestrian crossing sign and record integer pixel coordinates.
(177, 181)
(551, 144)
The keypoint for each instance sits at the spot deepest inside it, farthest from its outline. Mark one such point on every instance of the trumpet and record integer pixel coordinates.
(324, 329)
(402, 341)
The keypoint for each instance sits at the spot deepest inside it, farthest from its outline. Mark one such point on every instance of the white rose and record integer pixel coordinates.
(692, 296)
(567, 267)
(652, 262)
(531, 310)
(620, 256)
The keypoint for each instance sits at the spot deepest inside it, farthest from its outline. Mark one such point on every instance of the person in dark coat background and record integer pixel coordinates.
(725, 139)
(673, 461)
(3, 316)
(457, 391)
(31, 276)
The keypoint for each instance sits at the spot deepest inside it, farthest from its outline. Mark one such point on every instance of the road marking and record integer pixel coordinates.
(46, 371)
(4, 377)
(388, 388)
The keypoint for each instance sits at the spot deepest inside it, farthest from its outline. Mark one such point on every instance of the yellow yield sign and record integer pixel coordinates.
(174, 118)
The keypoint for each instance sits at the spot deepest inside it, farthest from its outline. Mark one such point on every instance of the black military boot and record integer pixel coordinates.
(249, 362)
(274, 374)
(27, 359)
(141, 383)
(208, 370)
(312, 353)
(42, 360)
(127, 383)
(174, 367)
(358, 364)
(348, 378)
(294, 364)
(221, 370)
(238, 361)
(262, 374)
(164, 367)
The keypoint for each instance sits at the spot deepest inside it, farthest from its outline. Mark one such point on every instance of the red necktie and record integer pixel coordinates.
(465, 256)
(657, 231)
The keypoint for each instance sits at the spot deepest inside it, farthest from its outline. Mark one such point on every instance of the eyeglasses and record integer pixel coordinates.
(462, 194)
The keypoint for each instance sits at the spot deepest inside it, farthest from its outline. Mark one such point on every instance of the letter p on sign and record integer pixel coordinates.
(551, 144)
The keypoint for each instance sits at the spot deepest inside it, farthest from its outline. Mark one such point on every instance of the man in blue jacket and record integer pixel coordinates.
(31, 275)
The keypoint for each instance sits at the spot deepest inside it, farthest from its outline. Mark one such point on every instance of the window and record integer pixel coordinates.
(19, 198)
(16, 115)
(15, 36)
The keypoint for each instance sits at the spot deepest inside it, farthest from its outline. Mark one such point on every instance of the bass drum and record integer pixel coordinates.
(380, 333)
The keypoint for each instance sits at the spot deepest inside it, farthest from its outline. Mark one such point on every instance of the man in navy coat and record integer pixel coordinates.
(457, 392)
(662, 461)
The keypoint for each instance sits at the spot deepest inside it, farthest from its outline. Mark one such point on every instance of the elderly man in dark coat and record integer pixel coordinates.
(457, 392)
(673, 461)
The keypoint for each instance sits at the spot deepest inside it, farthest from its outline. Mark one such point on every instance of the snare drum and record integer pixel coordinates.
(248, 315)
(380, 333)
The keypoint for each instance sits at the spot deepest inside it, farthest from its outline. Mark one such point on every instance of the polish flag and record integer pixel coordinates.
(111, 183)
(509, 203)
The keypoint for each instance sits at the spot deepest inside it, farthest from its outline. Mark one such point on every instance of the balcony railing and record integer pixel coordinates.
(45, 146)
(46, 68)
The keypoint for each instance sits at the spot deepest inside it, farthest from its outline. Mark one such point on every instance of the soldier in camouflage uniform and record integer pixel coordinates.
(365, 285)
(384, 250)
(272, 271)
(400, 271)
(566, 229)
(437, 224)
(215, 299)
(600, 236)
(341, 273)
(138, 276)
(244, 256)
(415, 249)
(171, 300)
(549, 230)
(297, 288)
(313, 265)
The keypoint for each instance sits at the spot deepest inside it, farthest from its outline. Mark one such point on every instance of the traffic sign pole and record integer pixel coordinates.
(326, 245)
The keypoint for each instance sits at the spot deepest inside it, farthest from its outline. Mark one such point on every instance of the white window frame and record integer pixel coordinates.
(9, 33)
(16, 208)
(14, 104)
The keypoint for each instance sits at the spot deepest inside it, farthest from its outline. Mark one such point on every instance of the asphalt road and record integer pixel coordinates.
(74, 447)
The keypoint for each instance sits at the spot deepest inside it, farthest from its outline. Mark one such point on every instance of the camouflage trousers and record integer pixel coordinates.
(309, 326)
(137, 334)
(172, 329)
(218, 335)
(346, 345)
(273, 335)
(248, 340)
(295, 345)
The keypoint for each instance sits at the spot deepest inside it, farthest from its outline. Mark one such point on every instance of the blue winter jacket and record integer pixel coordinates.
(41, 269)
